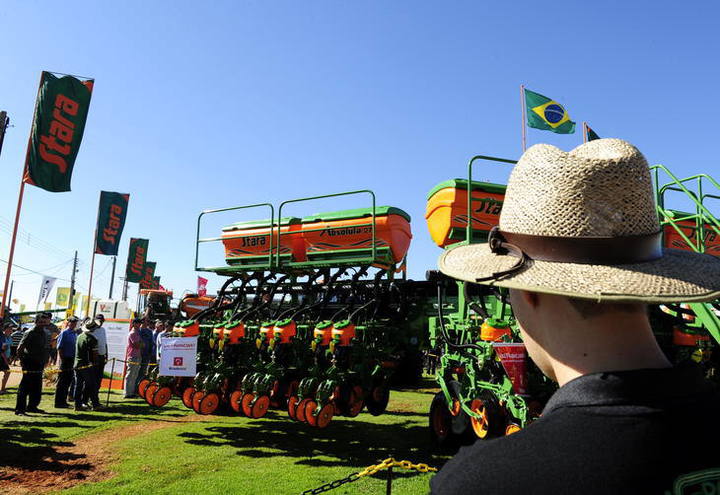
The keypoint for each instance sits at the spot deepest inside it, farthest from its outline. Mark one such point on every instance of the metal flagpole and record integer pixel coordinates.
(112, 277)
(584, 132)
(17, 212)
(92, 263)
(524, 117)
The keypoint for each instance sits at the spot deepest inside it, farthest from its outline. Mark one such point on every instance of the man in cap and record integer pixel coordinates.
(33, 356)
(579, 246)
(86, 360)
(101, 337)
(66, 354)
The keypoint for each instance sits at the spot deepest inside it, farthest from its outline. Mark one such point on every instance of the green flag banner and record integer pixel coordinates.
(137, 256)
(111, 220)
(58, 125)
(148, 275)
(546, 114)
(591, 135)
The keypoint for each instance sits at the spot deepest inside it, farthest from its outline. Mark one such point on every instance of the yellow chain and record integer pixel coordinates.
(390, 462)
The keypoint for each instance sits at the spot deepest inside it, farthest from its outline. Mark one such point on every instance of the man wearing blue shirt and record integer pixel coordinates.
(66, 352)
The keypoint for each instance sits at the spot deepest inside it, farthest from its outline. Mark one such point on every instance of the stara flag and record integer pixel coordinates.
(546, 114)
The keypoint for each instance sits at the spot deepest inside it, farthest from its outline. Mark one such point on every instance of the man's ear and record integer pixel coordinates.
(532, 299)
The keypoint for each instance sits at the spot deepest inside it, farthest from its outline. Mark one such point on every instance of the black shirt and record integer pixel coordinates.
(621, 432)
(34, 355)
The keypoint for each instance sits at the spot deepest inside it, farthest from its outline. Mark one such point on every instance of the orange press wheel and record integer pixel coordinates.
(300, 410)
(292, 406)
(512, 428)
(325, 416)
(260, 408)
(481, 426)
(235, 399)
(187, 397)
(161, 396)
(197, 397)
(142, 386)
(310, 408)
(209, 403)
(245, 404)
(149, 391)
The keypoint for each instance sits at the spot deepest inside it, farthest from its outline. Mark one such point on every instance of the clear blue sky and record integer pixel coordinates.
(225, 103)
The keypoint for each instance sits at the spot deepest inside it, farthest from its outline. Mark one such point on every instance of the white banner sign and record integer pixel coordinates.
(178, 356)
(116, 333)
(45, 287)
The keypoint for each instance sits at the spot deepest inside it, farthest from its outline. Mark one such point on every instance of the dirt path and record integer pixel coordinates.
(89, 459)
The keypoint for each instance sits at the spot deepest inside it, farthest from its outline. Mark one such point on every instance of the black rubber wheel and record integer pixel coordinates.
(441, 423)
(377, 400)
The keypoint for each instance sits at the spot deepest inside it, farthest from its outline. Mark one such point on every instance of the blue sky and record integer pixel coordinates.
(228, 103)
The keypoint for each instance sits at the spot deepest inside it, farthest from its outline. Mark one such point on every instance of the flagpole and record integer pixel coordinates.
(524, 117)
(585, 137)
(17, 211)
(92, 262)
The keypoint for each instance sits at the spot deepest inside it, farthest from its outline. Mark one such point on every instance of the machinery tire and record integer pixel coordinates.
(197, 397)
(149, 391)
(292, 407)
(187, 397)
(235, 399)
(245, 404)
(325, 416)
(142, 386)
(261, 406)
(377, 400)
(300, 410)
(209, 403)
(161, 396)
(440, 421)
(492, 422)
(310, 408)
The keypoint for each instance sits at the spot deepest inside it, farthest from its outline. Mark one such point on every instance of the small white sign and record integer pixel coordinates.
(178, 356)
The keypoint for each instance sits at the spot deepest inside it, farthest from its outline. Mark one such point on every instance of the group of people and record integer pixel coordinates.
(81, 354)
(144, 347)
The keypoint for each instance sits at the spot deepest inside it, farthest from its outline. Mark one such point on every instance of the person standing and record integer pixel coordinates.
(66, 343)
(147, 349)
(159, 330)
(101, 337)
(86, 360)
(133, 357)
(5, 344)
(51, 335)
(33, 356)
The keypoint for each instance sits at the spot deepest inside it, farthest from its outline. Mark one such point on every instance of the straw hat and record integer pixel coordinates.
(584, 224)
(89, 325)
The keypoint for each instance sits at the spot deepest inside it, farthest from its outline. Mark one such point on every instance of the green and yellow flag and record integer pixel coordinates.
(62, 297)
(546, 114)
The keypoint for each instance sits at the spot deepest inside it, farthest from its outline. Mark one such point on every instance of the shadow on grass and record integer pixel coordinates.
(27, 444)
(345, 442)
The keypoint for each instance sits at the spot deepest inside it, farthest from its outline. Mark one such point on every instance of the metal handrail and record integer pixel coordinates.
(211, 239)
(468, 229)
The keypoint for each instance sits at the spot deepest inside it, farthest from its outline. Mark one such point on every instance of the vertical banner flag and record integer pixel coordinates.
(137, 257)
(591, 135)
(57, 130)
(148, 275)
(45, 287)
(111, 220)
(156, 283)
(546, 114)
(202, 287)
(62, 297)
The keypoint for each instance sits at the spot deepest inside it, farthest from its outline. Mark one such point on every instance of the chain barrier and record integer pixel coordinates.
(388, 463)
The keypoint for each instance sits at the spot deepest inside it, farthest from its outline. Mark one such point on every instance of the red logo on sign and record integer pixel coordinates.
(178, 361)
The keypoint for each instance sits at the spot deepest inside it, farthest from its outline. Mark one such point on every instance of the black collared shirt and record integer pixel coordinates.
(629, 432)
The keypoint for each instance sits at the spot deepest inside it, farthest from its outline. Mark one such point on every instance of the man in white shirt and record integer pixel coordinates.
(101, 337)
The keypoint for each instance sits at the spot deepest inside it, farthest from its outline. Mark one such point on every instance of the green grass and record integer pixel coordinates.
(230, 454)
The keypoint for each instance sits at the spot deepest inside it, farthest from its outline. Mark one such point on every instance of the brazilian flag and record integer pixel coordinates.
(546, 114)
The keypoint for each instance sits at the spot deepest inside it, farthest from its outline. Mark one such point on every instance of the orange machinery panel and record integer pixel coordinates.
(446, 210)
(248, 243)
(347, 234)
(672, 239)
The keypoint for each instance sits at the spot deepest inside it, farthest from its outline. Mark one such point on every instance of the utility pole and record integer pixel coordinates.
(125, 288)
(72, 285)
(112, 277)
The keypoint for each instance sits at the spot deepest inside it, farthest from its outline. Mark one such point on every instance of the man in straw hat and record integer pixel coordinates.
(579, 246)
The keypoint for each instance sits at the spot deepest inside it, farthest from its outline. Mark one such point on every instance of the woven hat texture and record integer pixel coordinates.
(600, 189)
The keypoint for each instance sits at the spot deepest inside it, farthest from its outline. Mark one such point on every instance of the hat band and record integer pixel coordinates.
(588, 250)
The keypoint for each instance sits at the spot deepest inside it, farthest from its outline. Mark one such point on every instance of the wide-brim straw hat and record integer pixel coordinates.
(584, 224)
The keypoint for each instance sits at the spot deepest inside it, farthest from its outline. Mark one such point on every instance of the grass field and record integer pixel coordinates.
(131, 448)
